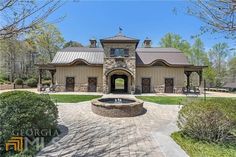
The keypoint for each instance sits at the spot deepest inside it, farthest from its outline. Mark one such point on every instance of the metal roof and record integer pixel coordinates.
(230, 85)
(71, 54)
(170, 55)
(119, 37)
(144, 56)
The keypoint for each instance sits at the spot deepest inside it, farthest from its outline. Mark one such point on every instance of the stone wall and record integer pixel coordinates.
(78, 88)
(112, 63)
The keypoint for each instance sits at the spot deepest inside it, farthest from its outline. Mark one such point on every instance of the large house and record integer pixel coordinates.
(141, 69)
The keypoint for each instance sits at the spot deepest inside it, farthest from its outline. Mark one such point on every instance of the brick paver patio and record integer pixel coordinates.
(87, 134)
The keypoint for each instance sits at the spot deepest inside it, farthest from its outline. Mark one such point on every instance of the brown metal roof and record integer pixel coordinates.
(85, 54)
(148, 56)
(144, 56)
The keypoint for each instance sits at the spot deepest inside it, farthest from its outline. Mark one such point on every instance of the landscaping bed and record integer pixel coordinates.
(208, 128)
(196, 148)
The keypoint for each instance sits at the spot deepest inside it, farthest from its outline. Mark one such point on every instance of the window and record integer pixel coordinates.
(119, 52)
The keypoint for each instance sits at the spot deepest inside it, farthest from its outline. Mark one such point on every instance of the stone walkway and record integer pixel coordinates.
(87, 134)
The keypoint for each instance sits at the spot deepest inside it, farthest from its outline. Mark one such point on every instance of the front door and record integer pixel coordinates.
(70, 84)
(92, 84)
(169, 85)
(146, 85)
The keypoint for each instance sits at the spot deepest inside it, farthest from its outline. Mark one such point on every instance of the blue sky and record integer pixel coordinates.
(139, 19)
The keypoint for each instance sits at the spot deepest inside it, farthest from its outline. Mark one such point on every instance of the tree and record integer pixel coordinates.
(72, 44)
(232, 69)
(18, 17)
(218, 15)
(15, 58)
(218, 58)
(175, 41)
(209, 73)
(198, 54)
(47, 40)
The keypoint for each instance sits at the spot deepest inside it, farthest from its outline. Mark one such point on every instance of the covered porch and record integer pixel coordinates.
(188, 71)
(52, 70)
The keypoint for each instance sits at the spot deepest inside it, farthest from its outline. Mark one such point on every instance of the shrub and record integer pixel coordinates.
(22, 111)
(32, 82)
(1, 81)
(3, 76)
(213, 120)
(47, 78)
(46, 82)
(18, 81)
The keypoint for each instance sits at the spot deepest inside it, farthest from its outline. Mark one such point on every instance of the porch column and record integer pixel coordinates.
(52, 75)
(188, 73)
(40, 79)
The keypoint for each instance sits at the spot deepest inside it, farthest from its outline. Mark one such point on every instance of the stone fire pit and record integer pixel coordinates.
(117, 107)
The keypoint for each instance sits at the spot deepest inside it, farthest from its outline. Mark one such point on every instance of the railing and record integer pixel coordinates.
(217, 89)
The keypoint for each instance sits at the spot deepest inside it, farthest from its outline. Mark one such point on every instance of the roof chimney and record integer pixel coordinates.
(93, 43)
(147, 43)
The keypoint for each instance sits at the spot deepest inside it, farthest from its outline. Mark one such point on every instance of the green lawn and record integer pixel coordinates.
(119, 83)
(173, 100)
(196, 148)
(72, 98)
(162, 99)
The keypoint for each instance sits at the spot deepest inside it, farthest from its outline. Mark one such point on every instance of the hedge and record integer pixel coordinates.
(21, 111)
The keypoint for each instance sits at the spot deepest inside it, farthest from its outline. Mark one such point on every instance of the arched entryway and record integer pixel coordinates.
(119, 80)
(119, 83)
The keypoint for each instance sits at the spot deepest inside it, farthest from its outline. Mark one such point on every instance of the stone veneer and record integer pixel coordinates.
(78, 88)
(112, 63)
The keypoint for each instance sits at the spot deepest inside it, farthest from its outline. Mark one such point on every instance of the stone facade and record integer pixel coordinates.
(127, 64)
(78, 88)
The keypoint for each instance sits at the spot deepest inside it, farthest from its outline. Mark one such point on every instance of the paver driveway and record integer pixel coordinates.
(87, 134)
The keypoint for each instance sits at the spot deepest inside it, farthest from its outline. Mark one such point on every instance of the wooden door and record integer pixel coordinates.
(92, 84)
(169, 85)
(70, 84)
(146, 85)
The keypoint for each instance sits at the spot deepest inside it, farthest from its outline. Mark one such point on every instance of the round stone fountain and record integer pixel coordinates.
(117, 107)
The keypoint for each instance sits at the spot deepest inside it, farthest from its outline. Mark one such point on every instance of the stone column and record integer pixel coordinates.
(188, 73)
(52, 75)
(40, 79)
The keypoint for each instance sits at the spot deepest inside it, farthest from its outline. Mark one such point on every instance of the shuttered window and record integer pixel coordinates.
(119, 52)
(126, 52)
(112, 53)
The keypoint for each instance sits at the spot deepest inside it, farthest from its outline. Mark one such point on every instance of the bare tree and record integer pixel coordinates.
(20, 16)
(218, 15)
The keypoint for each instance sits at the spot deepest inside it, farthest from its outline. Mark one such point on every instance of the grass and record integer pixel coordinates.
(119, 83)
(170, 100)
(163, 99)
(173, 100)
(195, 148)
(72, 98)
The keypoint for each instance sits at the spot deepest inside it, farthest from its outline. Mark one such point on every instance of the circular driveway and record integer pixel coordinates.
(87, 134)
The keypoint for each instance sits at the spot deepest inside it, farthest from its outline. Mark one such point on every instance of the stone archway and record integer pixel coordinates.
(119, 83)
(112, 75)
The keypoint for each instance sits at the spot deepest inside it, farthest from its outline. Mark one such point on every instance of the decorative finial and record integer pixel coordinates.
(120, 30)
